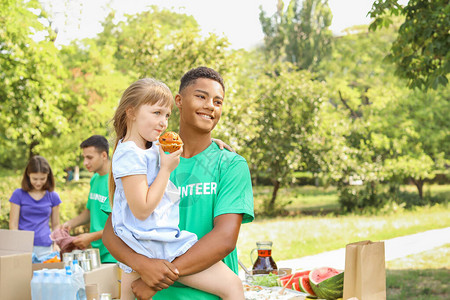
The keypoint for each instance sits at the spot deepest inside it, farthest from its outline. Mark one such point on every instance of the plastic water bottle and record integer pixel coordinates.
(36, 286)
(67, 285)
(46, 285)
(78, 279)
(55, 286)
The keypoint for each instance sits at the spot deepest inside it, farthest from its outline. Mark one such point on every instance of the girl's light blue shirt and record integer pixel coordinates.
(158, 236)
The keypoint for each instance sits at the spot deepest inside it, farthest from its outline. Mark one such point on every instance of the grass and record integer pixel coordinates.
(299, 199)
(420, 276)
(299, 236)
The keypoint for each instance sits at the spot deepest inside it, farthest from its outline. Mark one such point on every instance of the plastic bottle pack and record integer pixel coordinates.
(58, 284)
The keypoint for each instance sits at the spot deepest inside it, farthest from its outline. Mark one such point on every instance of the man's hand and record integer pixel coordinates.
(141, 290)
(66, 226)
(158, 274)
(83, 241)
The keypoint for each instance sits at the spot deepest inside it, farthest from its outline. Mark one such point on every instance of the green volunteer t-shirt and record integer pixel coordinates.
(212, 183)
(98, 198)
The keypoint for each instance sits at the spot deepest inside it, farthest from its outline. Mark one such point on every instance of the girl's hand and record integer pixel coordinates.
(170, 161)
(222, 145)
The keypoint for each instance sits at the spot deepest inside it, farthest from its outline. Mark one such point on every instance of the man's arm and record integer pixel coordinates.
(212, 247)
(158, 274)
(81, 219)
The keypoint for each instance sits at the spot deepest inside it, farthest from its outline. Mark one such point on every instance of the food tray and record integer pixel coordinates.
(255, 292)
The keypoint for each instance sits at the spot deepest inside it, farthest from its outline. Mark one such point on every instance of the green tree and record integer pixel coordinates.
(285, 117)
(299, 34)
(95, 87)
(373, 127)
(31, 90)
(420, 51)
(422, 128)
(164, 45)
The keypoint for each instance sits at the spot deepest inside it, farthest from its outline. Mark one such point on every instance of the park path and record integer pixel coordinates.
(394, 248)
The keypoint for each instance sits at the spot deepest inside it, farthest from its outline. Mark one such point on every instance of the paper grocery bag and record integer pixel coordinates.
(365, 273)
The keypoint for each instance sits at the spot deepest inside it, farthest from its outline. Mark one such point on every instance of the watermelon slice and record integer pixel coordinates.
(285, 279)
(327, 283)
(305, 286)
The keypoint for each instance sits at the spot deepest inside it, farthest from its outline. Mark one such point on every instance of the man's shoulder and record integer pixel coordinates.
(225, 156)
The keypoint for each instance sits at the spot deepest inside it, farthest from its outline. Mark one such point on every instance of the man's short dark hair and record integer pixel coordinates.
(99, 142)
(200, 72)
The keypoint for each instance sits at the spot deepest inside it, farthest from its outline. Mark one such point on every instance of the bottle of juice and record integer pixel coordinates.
(264, 263)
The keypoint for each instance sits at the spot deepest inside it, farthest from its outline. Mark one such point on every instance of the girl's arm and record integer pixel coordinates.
(14, 214)
(54, 217)
(142, 199)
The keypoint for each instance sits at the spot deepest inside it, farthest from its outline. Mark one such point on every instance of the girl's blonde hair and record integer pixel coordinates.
(143, 91)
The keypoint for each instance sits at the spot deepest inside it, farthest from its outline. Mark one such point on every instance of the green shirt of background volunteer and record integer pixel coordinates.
(98, 206)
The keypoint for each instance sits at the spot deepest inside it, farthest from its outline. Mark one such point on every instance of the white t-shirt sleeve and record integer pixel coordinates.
(128, 160)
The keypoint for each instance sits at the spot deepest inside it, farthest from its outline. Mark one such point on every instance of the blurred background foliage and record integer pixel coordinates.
(306, 107)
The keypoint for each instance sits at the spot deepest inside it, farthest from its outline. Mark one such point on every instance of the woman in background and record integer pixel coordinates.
(35, 204)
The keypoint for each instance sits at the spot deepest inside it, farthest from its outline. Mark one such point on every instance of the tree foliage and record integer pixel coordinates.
(164, 45)
(285, 117)
(374, 128)
(299, 34)
(31, 85)
(362, 122)
(420, 51)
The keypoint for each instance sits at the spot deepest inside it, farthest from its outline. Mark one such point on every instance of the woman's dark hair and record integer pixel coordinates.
(38, 164)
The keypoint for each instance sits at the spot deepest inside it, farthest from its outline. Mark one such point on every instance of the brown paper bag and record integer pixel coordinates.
(365, 273)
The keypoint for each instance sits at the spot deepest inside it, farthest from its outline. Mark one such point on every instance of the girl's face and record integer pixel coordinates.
(149, 122)
(38, 180)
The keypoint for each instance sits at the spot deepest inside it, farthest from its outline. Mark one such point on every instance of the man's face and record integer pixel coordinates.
(93, 159)
(200, 104)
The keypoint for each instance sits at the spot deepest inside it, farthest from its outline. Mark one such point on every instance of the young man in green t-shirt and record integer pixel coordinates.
(215, 190)
(96, 159)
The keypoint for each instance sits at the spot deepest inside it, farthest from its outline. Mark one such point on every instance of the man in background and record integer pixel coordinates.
(96, 159)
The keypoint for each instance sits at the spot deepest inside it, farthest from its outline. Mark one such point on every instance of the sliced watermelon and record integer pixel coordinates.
(305, 286)
(285, 279)
(327, 283)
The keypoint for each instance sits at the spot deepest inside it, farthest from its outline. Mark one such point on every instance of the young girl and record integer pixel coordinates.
(33, 205)
(145, 212)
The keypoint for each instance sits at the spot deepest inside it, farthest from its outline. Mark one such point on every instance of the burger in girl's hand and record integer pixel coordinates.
(170, 141)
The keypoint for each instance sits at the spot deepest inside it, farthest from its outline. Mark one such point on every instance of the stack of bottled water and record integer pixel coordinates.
(58, 284)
